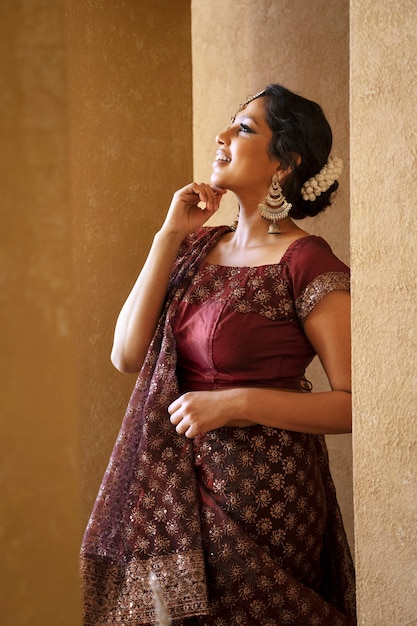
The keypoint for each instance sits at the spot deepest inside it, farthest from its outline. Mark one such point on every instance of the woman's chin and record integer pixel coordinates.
(217, 180)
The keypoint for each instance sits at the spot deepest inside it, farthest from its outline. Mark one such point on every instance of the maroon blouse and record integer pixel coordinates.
(243, 326)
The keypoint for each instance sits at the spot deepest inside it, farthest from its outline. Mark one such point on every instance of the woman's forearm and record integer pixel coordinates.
(139, 316)
(197, 412)
(140, 313)
(328, 412)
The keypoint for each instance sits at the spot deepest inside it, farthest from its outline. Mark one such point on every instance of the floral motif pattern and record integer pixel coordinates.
(264, 290)
(263, 529)
(246, 289)
(247, 516)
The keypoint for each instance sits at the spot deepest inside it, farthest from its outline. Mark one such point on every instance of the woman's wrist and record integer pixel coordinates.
(169, 239)
(234, 404)
(170, 232)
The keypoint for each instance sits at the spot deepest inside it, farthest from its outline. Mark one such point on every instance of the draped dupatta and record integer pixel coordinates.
(146, 516)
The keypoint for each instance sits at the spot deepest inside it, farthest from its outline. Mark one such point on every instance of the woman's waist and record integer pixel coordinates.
(218, 382)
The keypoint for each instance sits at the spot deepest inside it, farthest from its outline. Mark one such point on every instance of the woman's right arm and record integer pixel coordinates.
(139, 316)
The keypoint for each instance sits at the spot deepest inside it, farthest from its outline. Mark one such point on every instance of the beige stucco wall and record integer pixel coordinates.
(96, 134)
(39, 478)
(384, 263)
(85, 180)
(238, 48)
(129, 77)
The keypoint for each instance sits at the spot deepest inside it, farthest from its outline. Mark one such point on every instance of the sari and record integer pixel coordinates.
(159, 515)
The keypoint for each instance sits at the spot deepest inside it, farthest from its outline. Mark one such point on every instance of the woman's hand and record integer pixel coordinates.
(140, 313)
(191, 207)
(198, 412)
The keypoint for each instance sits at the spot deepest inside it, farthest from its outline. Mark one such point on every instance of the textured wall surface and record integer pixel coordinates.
(88, 163)
(129, 68)
(238, 48)
(39, 502)
(96, 135)
(383, 174)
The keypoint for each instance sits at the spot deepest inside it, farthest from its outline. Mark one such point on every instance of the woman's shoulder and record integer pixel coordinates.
(314, 251)
(205, 232)
(200, 240)
(310, 261)
(313, 270)
(308, 244)
(201, 237)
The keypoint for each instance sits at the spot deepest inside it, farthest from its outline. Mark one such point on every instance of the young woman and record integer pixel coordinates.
(219, 485)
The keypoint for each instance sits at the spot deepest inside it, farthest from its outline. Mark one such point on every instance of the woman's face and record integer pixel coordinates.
(242, 162)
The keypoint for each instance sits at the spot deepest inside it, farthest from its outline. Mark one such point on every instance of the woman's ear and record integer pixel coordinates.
(296, 158)
(284, 173)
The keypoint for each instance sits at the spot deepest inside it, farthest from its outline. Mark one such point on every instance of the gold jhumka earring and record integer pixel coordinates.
(275, 207)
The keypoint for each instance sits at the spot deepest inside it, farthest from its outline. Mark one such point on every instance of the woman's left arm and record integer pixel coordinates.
(328, 330)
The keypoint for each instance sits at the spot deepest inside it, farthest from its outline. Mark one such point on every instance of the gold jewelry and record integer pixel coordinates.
(243, 106)
(274, 208)
(234, 224)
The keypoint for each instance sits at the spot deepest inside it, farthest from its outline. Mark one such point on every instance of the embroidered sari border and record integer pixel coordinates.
(128, 597)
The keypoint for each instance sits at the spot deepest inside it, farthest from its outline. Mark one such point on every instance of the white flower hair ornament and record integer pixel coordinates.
(322, 181)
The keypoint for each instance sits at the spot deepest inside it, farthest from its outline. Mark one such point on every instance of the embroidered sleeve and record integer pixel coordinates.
(317, 289)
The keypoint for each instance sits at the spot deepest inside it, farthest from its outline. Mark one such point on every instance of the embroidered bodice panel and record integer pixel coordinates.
(244, 326)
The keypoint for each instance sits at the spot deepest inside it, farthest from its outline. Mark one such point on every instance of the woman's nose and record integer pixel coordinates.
(222, 138)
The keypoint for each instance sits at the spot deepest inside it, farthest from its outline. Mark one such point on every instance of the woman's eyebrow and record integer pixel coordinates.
(241, 117)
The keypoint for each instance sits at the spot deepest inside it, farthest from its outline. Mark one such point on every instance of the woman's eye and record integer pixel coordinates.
(245, 129)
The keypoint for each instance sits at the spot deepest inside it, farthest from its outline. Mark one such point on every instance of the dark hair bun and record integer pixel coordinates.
(302, 139)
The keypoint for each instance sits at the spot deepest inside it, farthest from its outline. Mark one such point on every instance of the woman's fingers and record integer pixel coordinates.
(208, 194)
(174, 406)
(180, 419)
(192, 206)
(182, 424)
(175, 411)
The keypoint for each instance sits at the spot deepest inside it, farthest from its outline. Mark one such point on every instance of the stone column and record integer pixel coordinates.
(383, 227)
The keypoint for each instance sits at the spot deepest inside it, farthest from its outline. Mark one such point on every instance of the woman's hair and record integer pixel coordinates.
(299, 130)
